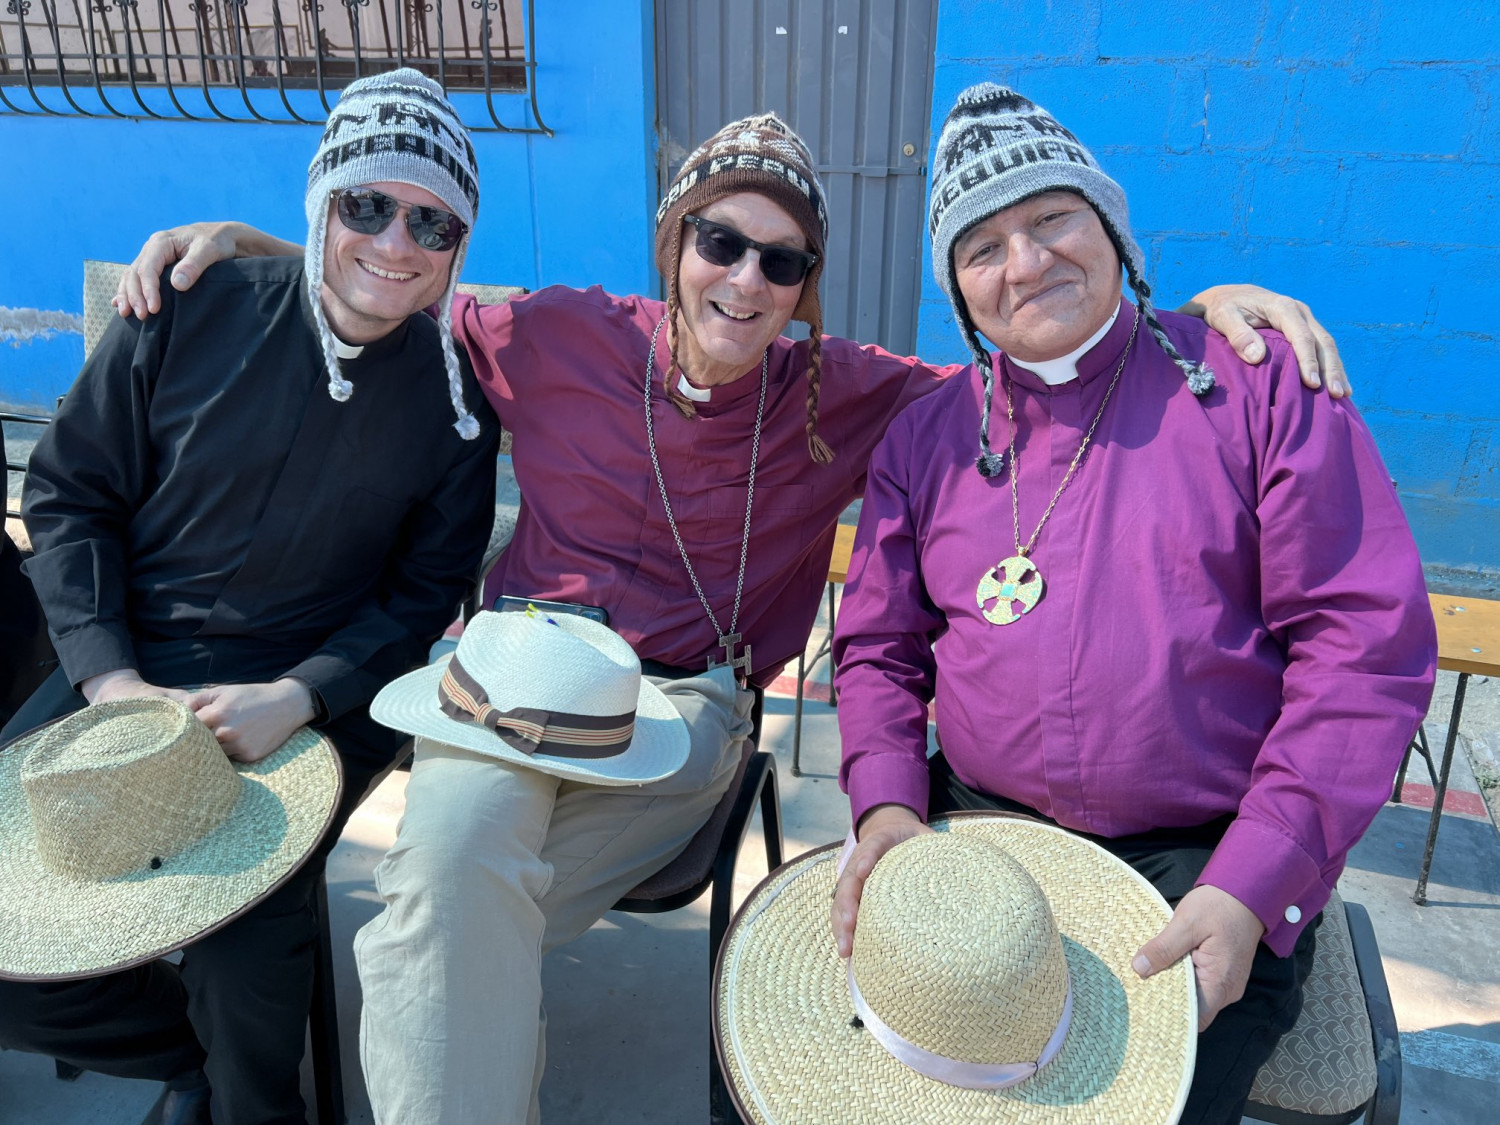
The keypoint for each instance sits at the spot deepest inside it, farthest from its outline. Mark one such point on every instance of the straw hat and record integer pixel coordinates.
(985, 948)
(126, 833)
(556, 692)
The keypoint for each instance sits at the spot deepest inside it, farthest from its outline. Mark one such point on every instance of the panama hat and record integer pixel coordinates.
(555, 692)
(990, 981)
(126, 833)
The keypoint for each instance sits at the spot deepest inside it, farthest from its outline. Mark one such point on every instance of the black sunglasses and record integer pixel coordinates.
(367, 211)
(723, 246)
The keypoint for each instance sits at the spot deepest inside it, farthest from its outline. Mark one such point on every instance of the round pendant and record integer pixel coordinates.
(1014, 585)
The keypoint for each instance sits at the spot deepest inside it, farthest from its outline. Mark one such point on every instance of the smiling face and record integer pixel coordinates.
(373, 282)
(1039, 278)
(728, 315)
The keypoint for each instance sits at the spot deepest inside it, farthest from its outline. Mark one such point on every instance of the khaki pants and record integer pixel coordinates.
(493, 866)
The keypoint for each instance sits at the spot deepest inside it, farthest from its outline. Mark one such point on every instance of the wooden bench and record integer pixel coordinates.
(1468, 631)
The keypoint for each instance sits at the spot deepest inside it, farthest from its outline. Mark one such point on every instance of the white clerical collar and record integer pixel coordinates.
(347, 351)
(697, 394)
(1057, 371)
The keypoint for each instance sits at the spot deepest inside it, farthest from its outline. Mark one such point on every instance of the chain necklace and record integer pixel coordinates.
(1016, 580)
(727, 641)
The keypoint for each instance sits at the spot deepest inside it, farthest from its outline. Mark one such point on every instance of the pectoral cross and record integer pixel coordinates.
(740, 663)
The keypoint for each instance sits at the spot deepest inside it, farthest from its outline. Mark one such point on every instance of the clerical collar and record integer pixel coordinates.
(347, 351)
(1054, 372)
(697, 394)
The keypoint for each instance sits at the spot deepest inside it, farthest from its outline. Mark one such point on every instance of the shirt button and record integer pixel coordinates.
(1293, 915)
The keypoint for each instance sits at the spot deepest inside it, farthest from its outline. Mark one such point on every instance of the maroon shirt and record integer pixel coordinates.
(565, 370)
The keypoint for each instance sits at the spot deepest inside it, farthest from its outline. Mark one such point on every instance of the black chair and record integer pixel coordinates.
(709, 861)
(1342, 1060)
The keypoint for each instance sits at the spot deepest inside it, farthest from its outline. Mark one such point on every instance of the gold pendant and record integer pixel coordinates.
(1018, 581)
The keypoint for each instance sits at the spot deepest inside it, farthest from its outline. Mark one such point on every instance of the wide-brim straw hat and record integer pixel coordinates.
(557, 693)
(92, 779)
(794, 1051)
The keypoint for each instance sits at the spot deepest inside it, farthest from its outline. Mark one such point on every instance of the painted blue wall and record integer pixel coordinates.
(575, 208)
(1343, 151)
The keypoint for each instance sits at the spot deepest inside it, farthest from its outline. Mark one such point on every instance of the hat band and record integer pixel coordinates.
(532, 730)
(957, 1072)
(941, 1068)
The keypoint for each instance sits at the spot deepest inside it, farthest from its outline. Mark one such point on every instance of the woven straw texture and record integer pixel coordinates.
(577, 666)
(1326, 1063)
(792, 1056)
(107, 795)
(54, 927)
(949, 966)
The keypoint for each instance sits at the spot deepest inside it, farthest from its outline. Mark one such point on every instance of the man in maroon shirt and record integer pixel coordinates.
(683, 466)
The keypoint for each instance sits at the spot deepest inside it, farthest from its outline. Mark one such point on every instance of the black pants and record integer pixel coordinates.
(237, 1007)
(1243, 1035)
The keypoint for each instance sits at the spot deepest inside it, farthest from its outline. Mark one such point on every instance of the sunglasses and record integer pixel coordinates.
(367, 211)
(723, 246)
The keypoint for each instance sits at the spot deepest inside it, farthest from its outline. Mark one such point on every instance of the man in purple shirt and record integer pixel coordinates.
(683, 466)
(1173, 606)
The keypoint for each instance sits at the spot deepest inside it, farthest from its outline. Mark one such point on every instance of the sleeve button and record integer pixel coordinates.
(1293, 914)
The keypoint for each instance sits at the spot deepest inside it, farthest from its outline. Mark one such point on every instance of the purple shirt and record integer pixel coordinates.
(1234, 619)
(565, 370)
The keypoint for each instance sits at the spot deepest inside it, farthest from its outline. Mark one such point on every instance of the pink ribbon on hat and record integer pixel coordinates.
(941, 1068)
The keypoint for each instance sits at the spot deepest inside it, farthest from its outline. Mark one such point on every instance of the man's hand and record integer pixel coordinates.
(252, 720)
(125, 683)
(1221, 933)
(880, 830)
(1236, 311)
(194, 248)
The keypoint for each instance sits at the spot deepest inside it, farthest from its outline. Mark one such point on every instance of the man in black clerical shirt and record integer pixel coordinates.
(259, 503)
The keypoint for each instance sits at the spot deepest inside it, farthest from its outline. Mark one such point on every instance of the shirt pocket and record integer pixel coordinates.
(728, 502)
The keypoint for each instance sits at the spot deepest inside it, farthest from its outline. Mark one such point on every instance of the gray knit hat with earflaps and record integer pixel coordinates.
(395, 127)
(998, 149)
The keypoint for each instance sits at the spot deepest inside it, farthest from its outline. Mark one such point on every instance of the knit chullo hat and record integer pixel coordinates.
(760, 154)
(395, 127)
(998, 149)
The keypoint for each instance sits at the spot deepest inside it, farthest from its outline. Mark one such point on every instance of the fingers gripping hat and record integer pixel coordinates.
(998, 149)
(126, 833)
(760, 154)
(990, 982)
(397, 127)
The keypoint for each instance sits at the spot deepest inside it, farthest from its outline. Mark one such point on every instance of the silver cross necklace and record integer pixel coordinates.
(728, 641)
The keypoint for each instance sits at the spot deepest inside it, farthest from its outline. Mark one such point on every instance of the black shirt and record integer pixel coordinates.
(199, 482)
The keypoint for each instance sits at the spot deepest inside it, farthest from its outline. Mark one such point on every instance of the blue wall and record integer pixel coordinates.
(575, 208)
(1344, 151)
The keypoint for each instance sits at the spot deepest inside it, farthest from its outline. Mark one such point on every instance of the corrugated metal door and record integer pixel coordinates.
(855, 79)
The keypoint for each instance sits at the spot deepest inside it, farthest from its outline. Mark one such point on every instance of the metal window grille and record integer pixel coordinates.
(251, 60)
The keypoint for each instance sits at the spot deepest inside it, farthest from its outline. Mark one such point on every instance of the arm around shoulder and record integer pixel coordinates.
(191, 249)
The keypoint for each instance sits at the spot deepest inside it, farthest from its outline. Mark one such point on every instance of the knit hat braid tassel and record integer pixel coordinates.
(1200, 376)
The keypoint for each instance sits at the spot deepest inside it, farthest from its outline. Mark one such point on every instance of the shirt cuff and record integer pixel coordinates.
(320, 705)
(337, 687)
(95, 649)
(887, 779)
(1270, 874)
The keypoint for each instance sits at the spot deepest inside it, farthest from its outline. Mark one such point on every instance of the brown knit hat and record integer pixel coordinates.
(763, 155)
